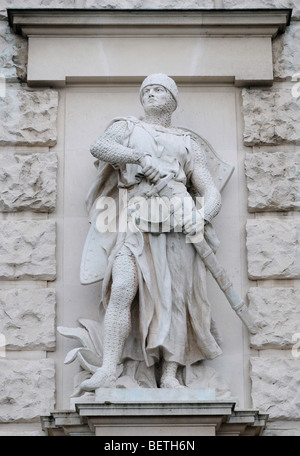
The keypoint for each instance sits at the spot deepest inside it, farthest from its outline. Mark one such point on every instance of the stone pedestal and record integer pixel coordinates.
(154, 413)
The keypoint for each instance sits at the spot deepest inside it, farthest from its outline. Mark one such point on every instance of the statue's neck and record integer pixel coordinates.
(163, 119)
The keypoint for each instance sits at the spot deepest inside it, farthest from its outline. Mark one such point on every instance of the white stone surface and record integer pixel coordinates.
(27, 250)
(273, 248)
(278, 311)
(27, 318)
(13, 53)
(21, 429)
(282, 429)
(154, 395)
(26, 389)
(151, 4)
(34, 4)
(276, 387)
(295, 4)
(270, 116)
(28, 117)
(28, 182)
(273, 181)
(286, 52)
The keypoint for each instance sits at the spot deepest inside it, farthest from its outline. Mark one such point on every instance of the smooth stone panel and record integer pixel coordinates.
(154, 394)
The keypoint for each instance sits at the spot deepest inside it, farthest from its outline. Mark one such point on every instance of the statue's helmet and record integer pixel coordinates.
(163, 80)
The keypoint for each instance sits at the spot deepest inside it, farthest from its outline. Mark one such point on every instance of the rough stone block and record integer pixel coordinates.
(21, 429)
(282, 429)
(276, 387)
(34, 4)
(27, 318)
(273, 248)
(28, 182)
(270, 117)
(286, 52)
(278, 312)
(28, 117)
(27, 250)
(13, 54)
(26, 389)
(295, 4)
(273, 181)
(151, 4)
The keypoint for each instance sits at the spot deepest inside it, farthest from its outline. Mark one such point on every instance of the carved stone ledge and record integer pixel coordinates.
(198, 418)
(68, 46)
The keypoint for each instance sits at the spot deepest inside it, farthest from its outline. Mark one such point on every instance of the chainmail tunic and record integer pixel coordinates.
(174, 151)
(171, 311)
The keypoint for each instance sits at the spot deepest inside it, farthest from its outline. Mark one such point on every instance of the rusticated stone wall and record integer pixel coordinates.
(28, 235)
(272, 167)
(28, 188)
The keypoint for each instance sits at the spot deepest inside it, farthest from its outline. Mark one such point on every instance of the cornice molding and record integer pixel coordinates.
(95, 22)
(92, 46)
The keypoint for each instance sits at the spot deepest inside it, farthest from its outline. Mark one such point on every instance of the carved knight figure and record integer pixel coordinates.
(155, 316)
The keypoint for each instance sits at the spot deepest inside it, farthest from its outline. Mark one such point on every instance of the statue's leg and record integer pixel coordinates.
(168, 377)
(117, 320)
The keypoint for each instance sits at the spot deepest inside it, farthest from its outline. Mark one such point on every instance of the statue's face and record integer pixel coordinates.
(156, 98)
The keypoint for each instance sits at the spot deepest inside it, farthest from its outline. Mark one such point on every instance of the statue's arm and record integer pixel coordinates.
(108, 147)
(204, 185)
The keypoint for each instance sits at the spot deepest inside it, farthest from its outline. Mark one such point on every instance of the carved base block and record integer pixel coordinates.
(142, 395)
(154, 416)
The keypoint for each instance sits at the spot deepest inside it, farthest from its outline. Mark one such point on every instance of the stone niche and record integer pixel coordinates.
(96, 60)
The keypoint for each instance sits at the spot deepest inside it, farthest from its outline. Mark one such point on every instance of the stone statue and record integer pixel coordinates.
(154, 310)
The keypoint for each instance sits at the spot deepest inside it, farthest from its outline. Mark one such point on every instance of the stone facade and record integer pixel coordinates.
(27, 318)
(272, 176)
(28, 182)
(28, 130)
(27, 389)
(277, 310)
(286, 52)
(295, 4)
(28, 189)
(35, 4)
(275, 386)
(13, 54)
(27, 250)
(273, 181)
(273, 249)
(271, 117)
(28, 117)
(138, 4)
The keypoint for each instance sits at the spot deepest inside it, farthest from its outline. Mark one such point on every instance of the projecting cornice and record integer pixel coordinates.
(94, 46)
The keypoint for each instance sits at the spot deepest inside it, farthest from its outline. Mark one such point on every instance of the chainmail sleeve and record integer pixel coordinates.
(203, 183)
(108, 147)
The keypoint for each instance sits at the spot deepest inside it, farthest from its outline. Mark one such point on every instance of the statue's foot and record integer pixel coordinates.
(101, 379)
(170, 382)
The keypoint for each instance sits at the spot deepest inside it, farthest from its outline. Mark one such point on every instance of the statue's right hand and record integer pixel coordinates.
(149, 168)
